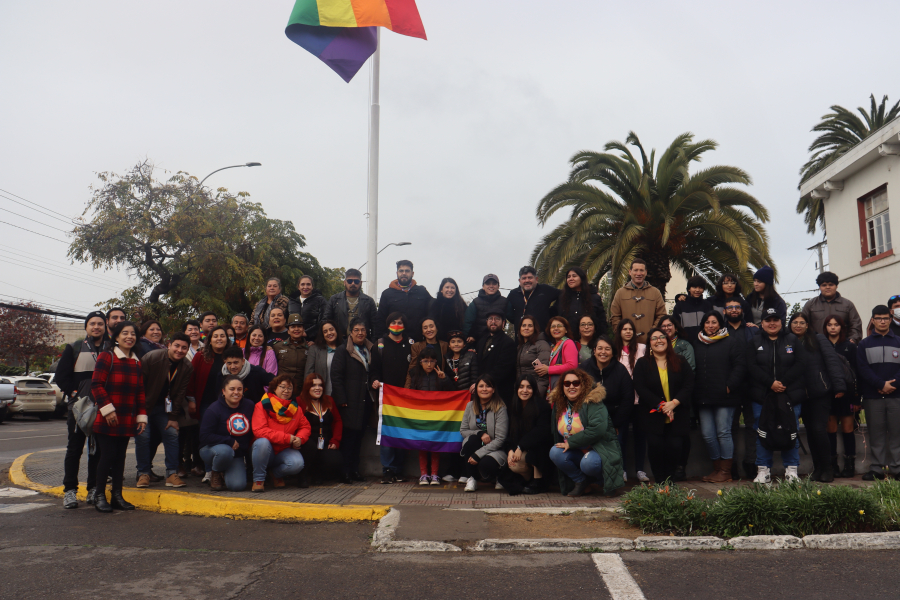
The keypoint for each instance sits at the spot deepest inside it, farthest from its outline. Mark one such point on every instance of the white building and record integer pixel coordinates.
(859, 191)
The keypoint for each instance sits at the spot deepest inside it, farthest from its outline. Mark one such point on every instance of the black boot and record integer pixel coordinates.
(679, 474)
(849, 467)
(827, 475)
(118, 502)
(535, 486)
(92, 496)
(579, 490)
(304, 480)
(100, 502)
(735, 475)
(750, 470)
(835, 468)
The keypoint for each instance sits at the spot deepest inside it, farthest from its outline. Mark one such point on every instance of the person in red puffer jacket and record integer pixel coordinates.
(280, 429)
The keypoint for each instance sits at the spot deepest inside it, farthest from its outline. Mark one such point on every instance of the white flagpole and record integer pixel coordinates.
(374, 118)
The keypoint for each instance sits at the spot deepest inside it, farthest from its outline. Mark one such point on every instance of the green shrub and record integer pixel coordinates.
(751, 510)
(665, 509)
(887, 495)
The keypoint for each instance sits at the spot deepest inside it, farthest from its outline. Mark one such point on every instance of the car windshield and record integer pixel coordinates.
(32, 383)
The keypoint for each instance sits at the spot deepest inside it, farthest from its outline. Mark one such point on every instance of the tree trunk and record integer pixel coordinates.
(658, 271)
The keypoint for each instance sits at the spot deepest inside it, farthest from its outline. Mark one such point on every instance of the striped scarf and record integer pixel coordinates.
(275, 406)
(712, 339)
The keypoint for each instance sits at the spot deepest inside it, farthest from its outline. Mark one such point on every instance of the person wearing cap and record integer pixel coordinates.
(291, 353)
(637, 300)
(406, 296)
(489, 298)
(496, 355)
(830, 302)
(579, 298)
(240, 323)
(309, 303)
(345, 306)
(461, 363)
(73, 376)
(775, 363)
(531, 298)
(764, 296)
(878, 367)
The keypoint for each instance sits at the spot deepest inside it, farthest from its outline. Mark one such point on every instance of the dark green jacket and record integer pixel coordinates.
(599, 434)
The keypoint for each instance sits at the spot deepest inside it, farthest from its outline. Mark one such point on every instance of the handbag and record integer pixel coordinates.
(85, 411)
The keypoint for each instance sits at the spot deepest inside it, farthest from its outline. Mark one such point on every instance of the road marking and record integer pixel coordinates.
(20, 508)
(32, 437)
(9, 492)
(618, 580)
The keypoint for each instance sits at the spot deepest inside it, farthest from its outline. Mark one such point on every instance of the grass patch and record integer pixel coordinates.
(796, 508)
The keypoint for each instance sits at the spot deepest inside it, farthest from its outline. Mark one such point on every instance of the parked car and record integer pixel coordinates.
(61, 406)
(33, 396)
(7, 397)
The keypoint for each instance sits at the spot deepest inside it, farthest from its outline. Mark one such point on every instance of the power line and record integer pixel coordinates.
(46, 271)
(47, 304)
(69, 221)
(35, 203)
(35, 232)
(34, 220)
(40, 311)
(101, 277)
(18, 287)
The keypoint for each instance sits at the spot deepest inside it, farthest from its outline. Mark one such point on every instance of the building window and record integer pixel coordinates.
(878, 226)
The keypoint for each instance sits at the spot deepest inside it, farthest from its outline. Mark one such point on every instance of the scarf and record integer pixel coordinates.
(278, 408)
(720, 335)
(557, 349)
(243, 373)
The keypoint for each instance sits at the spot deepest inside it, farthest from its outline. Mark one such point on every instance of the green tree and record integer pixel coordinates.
(624, 208)
(840, 130)
(190, 249)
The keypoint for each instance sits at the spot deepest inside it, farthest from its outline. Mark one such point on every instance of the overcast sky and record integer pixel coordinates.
(478, 122)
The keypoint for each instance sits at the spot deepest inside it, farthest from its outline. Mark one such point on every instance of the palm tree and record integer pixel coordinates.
(658, 212)
(842, 130)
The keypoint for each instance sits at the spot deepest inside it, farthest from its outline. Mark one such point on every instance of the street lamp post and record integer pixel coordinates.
(383, 249)
(249, 164)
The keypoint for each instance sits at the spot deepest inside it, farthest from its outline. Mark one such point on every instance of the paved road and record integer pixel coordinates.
(21, 435)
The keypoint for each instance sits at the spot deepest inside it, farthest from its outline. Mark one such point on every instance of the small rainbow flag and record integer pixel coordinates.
(421, 420)
(341, 33)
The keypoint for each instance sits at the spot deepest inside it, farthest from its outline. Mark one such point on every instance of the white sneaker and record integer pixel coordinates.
(206, 477)
(463, 479)
(625, 476)
(763, 475)
(449, 478)
(424, 480)
(642, 477)
(790, 474)
(471, 485)
(498, 486)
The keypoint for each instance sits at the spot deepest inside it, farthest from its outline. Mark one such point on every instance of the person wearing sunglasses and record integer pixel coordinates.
(664, 383)
(586, 449)
(345, 306)
(878, 367)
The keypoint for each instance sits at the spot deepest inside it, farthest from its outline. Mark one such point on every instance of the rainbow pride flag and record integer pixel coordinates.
(421, 420)
(341, 33)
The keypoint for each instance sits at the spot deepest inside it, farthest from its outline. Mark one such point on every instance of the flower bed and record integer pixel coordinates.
(798, 509)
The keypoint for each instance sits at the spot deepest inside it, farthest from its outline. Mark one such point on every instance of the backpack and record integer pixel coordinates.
(777, 429)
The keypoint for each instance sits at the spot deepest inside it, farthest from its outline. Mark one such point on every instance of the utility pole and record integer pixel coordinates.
(818, 248)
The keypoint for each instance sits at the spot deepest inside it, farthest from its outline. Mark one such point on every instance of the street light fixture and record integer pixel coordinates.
(383, 249)
(249, 164)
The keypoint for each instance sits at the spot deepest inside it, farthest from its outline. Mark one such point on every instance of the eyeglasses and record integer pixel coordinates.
(558, 326)
(586, 325)
(569, 384)
(658, 338)
(881, 318)
(352, 281)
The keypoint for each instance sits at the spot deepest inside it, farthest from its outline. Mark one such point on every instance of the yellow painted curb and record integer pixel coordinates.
(204, 505)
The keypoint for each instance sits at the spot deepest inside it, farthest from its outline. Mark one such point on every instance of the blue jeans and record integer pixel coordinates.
(286, 462)
(789, 458)
(576, 465)
(221, 458)
(392, 460)
(715, 425)
(145, 444)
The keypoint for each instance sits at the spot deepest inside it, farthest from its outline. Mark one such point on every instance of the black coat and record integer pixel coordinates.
(351, 383)
(823, 370)
(650, 393)
(310, 311)
(720, 367)
(430, 382)
(770, 360)
(477, 312)
(531, 435)
(414, 305)
(538, 303)
(395, 358)
(619, 386)
(255, 382)
(337, 310)
(466, 370)
(690, 314)
(574, 312)
(496, 355)
(445, 317)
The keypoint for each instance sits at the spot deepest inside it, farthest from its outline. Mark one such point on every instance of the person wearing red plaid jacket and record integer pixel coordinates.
(118, 388)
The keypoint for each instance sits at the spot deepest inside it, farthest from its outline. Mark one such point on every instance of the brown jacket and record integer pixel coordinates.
(155, 369)
(644, 306)
(819, 310)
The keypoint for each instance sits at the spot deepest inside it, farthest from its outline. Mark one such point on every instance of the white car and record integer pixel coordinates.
(34, 396)
(61, 406)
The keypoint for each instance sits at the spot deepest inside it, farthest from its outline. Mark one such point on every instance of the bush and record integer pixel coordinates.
(797, 508)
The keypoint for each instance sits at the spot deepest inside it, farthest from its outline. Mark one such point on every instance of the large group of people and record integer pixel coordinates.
(559, 390)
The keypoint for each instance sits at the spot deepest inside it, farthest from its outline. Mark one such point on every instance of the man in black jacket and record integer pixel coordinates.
(496, 355)
(532, 298)
(166, 375)
(395, 349)
(735, 321)
(407, 297)
(309, 303)
(345, 306)
(255, 378)
(73, 376)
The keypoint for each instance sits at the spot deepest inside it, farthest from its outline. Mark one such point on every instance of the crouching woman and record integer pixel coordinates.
(484, 427)
(225, 436)
(281, 429)
(586, 446)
